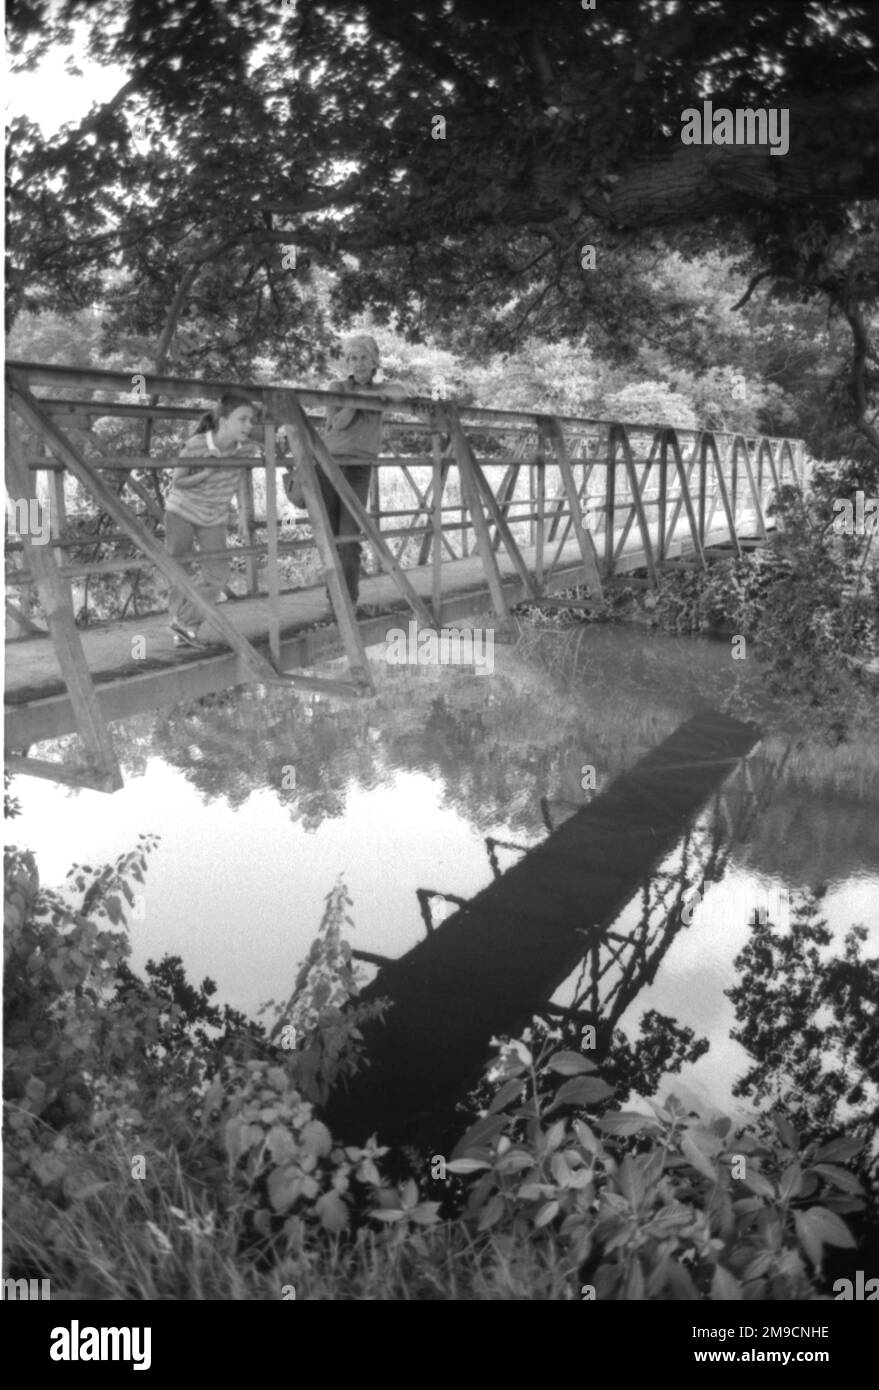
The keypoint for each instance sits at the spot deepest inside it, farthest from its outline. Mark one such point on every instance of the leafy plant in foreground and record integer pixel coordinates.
(669, 1206)
(232, 1152)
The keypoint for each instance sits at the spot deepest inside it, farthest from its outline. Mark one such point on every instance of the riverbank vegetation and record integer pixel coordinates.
(161, 1146)
(805, 607)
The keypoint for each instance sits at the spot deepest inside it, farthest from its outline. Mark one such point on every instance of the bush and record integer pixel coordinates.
(806, 606)
(158, 1146)
(669, 1206)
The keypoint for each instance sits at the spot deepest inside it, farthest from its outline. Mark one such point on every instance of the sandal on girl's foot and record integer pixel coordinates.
(185, 636)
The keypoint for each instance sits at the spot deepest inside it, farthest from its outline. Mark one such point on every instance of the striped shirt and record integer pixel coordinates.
(206, 504)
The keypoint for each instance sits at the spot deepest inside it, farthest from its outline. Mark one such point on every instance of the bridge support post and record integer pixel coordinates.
(709, 442)
(684, 471)
(585, 542)
(663, 498)
(756, 501)
(703, 486)
(273, 585)
(496, 513)
(539, 494)
(609, 504)
(467, 471)
(103, 772)
(440, 473)
(434, 499)
(247, 528)
(766, 452)
(636, 509)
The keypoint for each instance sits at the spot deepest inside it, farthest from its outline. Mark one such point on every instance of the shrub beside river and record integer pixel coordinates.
(159, 1146)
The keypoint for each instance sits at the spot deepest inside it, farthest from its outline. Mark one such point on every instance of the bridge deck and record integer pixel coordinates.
(38, 708)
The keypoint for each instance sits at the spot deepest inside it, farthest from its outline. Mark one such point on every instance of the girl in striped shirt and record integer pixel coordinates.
(197, 507)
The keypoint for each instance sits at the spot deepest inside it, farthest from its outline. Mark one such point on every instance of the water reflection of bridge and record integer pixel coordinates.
(507, 505)
(603, 896)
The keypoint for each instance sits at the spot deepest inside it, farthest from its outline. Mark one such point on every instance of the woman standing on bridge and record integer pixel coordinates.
(354, 438)
(197, 507)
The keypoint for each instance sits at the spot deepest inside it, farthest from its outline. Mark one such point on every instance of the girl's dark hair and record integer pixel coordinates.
(230, 400)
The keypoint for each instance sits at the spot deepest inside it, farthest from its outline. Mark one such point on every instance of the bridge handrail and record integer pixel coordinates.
(42, 374)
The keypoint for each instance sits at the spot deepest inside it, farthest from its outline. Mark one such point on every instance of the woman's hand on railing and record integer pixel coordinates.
(419, 405)
(393, 390)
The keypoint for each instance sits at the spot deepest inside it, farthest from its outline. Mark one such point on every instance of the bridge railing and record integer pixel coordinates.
(511, 499)
(529, 481)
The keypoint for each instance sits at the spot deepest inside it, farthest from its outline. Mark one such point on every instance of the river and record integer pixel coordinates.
(264, 798)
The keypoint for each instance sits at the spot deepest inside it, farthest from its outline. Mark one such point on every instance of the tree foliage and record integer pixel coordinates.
(242, 126)
(806, 1012)
(808, 1019)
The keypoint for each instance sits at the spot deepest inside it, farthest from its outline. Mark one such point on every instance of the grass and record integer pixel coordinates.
(157, 1239)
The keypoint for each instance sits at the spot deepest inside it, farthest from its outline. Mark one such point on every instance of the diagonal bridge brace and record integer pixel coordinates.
(28, 407)
(552, 431)
(475, 482)
(256, 666)
(286, 410)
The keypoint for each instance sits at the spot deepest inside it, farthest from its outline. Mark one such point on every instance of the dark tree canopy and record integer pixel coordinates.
(264, 125)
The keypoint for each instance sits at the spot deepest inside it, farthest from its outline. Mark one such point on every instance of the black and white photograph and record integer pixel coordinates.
(441, 776)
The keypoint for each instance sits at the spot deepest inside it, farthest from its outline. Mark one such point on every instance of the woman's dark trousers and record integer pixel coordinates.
(342, 523)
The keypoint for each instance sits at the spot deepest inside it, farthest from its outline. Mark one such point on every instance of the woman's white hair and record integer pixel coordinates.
(362, 340)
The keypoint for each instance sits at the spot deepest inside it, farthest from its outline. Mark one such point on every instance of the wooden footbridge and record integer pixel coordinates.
(507, 506)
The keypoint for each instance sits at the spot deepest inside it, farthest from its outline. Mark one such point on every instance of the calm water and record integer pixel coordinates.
(263, 799)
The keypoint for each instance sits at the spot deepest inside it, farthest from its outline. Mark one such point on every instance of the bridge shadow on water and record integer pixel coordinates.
(498, 959)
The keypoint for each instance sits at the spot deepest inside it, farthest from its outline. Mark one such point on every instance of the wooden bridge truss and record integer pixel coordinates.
(563, 482)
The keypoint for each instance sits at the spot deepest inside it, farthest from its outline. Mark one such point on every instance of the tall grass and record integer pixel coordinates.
(159, 1239)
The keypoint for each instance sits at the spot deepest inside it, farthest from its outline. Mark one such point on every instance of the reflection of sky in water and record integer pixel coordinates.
(239, 893)
(698, 967)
